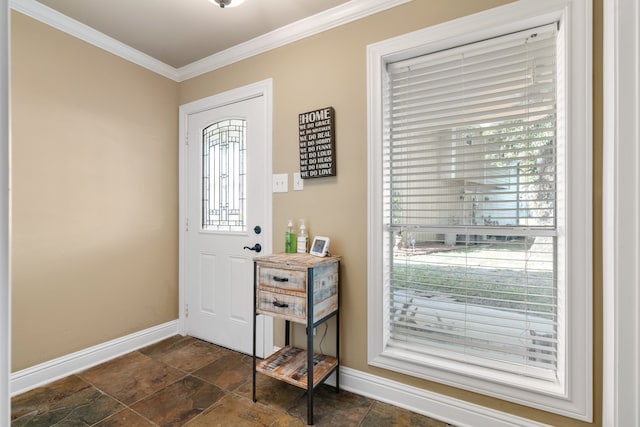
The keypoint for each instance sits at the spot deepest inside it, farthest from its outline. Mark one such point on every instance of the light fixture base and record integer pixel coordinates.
(227, 3)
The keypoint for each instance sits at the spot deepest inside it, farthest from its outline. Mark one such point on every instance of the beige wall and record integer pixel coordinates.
(325, 70)
(94, 170)
(330, 70)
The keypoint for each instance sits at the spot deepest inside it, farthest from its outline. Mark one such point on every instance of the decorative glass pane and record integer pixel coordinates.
(224, 176)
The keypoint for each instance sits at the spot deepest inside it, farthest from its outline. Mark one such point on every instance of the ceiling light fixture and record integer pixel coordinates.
(227, 3)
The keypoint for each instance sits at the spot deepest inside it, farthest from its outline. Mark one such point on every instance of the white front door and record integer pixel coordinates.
(226, 219)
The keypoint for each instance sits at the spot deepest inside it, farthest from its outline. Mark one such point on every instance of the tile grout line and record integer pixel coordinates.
(128, 406)
(185, 359)
(124, 405)
(367, 413)
(103, 392)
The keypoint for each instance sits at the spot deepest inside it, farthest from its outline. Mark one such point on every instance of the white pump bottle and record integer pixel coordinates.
(303, 238)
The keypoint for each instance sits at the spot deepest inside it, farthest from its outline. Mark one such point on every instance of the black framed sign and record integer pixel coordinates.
(317, 143)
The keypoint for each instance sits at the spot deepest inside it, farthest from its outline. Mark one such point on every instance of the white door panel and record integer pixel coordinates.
(226, 194)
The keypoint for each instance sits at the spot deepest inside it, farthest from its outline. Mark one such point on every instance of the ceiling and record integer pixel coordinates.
(181, 32)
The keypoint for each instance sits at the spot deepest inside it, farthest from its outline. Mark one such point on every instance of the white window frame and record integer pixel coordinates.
(571, 396)
(621, 214)
(5, 234)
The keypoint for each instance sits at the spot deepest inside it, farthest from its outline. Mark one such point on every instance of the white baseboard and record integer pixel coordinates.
(454, 411)
(44, 373)
(437, 406)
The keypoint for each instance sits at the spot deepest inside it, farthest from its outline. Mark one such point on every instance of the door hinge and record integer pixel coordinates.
(186, 310)
(186, 224)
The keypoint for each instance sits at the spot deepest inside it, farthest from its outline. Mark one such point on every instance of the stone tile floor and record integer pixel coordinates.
(184, 381)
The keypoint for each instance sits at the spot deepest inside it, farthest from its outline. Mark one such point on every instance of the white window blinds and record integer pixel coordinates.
(471, 181)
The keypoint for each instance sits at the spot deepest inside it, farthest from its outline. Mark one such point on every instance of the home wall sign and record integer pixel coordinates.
(317, 143)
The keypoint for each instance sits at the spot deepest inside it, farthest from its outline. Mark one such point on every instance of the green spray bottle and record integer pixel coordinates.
(291, 243)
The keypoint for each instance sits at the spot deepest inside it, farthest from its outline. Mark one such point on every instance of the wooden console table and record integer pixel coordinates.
(299, 288)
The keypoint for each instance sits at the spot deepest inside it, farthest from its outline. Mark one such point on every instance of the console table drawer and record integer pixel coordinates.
(283, 305)
(295, 280)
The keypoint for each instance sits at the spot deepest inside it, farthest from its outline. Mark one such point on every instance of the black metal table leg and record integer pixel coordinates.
(338, 337)
(310, 330)
(254, 330)
(287, 332)
(338, 349)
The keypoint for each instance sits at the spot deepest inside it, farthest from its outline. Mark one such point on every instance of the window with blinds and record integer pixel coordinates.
(471, 181)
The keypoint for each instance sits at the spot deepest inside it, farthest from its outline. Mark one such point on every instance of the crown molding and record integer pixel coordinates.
(331, 18)
(85, 33)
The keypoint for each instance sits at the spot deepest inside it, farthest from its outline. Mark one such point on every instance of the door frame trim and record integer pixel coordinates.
(262, 88)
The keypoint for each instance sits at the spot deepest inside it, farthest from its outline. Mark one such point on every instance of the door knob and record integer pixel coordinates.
(257, 247)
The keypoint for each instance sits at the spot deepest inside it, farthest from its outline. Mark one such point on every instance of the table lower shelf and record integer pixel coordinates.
(289, 364)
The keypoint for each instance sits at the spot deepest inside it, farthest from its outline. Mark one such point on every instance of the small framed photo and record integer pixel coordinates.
(320, 246)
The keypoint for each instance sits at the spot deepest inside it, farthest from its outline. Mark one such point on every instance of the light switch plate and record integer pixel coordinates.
(298, 183)
(280, 182)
